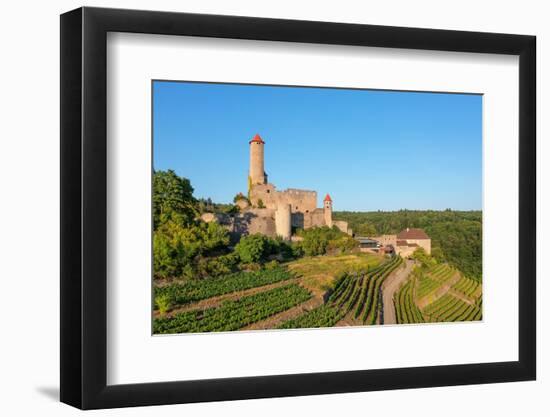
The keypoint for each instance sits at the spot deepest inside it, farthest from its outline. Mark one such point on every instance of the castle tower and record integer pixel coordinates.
(283, 225)
(256, 173)
(327, 204)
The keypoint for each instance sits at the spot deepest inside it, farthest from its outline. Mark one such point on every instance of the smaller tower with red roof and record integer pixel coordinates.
(327, 205)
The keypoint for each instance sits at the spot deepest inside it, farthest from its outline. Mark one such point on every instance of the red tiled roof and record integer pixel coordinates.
(327, 198)
(412, 234)
(257, 138)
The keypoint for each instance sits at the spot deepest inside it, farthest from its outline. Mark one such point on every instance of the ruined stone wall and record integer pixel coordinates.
(316, 218)
(266, 193)
(260, 221)
(342, 225)
(304, 201)
(246, 223)
(301, 201)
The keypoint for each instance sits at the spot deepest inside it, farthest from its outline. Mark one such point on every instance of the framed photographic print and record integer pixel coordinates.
(258, 208)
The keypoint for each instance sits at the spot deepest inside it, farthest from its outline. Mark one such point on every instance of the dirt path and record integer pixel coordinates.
(216, 301)
(273, 321)
(389, 288)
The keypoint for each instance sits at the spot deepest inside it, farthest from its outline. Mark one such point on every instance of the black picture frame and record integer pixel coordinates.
(84, 207)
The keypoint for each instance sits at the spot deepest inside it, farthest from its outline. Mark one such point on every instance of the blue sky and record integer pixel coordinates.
(371, 150)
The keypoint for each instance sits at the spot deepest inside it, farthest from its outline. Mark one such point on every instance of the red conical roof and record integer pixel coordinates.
(257, 138)
(327, 198)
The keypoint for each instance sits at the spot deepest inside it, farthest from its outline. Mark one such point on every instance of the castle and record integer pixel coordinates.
(272, 212)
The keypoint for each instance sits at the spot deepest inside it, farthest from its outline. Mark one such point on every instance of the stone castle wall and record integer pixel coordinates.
(343, 226)
(266, 193)
(303, 201)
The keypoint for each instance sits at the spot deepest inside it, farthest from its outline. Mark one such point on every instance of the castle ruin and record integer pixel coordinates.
(272, 212)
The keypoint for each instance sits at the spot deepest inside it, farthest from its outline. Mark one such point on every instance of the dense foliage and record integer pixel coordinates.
(172, 199)
(456, 235)
(235, 314)
(257, 248)
(322, 240)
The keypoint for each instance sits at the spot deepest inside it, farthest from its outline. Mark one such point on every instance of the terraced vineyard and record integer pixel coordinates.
(406, 309)
(468, 287)
(281, 298)
(233, 315)
(323, 316)
(451, 308)
(292, 297)
(445, 296)
(181, 294)
(426, 286)
(356, 294)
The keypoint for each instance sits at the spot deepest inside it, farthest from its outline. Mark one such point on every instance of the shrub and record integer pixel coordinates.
(343, 244)
(316, 240)
(250, 267)
(253, 248)
(272, 265)
(176, 247)
(163, 303)
(220, 265)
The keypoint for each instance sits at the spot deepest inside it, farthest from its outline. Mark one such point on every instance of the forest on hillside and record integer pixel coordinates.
(456, 235)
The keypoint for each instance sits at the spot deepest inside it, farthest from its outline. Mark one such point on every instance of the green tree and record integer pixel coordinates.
(172, 199)
(177, 248)
(316, 240)
(253, 248)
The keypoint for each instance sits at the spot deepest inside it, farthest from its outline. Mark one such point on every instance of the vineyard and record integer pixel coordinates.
(233, 315)
(357, 294)
(180, 294)
(293, 293)
(439, 295)
(304, 294)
